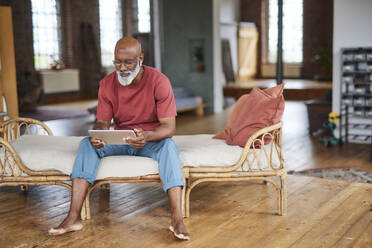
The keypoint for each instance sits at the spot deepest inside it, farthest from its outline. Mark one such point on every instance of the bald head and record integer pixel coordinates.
(129, 45)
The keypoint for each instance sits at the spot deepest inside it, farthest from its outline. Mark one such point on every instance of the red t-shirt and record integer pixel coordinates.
(136, 106)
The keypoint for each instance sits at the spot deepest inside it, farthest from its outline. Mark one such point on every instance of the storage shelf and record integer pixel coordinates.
(350, 94)
(356, 95)
(359, 126)
(356, 72)
(358, 83)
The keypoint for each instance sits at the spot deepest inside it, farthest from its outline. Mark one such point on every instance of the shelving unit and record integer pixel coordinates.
(356, 95)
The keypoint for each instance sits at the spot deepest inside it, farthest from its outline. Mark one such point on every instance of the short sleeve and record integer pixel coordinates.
(165, 102)
(104, 107)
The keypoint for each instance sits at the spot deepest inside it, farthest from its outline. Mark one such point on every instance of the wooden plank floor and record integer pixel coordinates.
(321, 213)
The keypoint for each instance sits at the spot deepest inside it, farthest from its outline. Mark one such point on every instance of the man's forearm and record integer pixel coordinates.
(162, 132)
(101, 125)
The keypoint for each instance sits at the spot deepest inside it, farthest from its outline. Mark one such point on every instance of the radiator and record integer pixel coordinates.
(59, 81)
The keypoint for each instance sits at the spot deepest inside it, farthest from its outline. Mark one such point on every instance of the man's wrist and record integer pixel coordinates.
(147, 135)
(101, 125)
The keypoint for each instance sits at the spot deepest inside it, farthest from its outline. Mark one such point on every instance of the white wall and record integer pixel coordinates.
(225, 17)
(229, 11)
(217, 61)
(352, 27)
(229, 18)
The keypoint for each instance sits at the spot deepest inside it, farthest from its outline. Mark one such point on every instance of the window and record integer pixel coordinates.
(46, 33)
(111, 29)
(144, 19)
(292, 31)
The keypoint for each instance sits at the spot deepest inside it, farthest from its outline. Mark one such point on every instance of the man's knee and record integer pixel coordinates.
(87, 147)
(169, 145)
(85, 141)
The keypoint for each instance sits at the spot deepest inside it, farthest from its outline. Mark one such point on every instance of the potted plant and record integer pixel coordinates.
(323, 57)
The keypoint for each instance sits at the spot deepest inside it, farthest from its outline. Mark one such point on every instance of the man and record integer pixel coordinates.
(140, 98)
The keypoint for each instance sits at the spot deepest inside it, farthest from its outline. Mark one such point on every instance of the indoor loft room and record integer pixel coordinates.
(301, 180)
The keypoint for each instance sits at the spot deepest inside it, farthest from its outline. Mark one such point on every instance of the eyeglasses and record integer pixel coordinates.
(126, 63)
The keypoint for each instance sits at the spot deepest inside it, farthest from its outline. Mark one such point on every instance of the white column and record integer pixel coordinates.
(217, 60)
(157, 47)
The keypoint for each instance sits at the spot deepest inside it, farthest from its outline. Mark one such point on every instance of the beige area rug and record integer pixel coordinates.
(350, 174)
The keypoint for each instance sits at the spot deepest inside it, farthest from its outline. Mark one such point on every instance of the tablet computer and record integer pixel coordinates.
(112, 137)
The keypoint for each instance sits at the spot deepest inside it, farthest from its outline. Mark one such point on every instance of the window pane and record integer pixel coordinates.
(46, 33)
(110, 28)
(144, 19)
(292, 31)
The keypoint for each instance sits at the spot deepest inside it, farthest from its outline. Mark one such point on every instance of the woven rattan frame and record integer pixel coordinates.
(14, 173)
(197, 175)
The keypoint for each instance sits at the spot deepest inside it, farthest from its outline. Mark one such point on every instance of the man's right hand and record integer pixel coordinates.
(97, 143)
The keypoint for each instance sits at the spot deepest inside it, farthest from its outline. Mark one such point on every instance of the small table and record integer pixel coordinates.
(317, 112)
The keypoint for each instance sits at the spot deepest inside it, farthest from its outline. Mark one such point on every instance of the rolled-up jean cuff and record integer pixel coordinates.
(87, 177)
(169, 186)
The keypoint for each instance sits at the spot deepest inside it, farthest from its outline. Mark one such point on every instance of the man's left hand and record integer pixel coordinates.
(140, 139)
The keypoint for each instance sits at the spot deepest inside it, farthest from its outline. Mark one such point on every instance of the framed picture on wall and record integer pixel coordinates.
(197, 52)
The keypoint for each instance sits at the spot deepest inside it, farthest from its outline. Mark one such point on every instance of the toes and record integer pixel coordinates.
(182, 236)
(61, 230)
(55, 232)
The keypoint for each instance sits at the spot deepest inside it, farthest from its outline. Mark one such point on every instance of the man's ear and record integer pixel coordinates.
(141, 58)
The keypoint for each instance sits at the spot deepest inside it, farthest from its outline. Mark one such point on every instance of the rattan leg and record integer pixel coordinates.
(187, 201)
(87, 205)
(283, 195)
(83, 213)
(183, 199)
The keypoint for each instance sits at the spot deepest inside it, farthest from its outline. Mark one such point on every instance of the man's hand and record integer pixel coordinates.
(140, 139)
(97, 143)
(99, 125)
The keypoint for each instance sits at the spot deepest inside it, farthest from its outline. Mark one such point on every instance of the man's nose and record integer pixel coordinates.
(123, 67)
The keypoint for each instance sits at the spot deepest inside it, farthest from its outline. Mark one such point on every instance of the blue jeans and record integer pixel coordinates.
(165, 152)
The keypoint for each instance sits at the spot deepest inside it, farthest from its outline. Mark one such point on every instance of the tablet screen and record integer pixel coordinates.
(112, 137)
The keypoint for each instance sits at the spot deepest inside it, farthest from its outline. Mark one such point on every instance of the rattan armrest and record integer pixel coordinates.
(274, 131)
(16, 127)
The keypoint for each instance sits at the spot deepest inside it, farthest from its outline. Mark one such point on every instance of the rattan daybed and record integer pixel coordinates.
(45, 159)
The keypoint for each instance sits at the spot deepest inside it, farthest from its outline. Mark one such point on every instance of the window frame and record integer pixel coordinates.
(59, 37)
(149, 15)
(110, 66)
(265, 46)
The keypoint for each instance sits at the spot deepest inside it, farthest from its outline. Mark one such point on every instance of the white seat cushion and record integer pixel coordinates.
(58, 153)
(203, 150)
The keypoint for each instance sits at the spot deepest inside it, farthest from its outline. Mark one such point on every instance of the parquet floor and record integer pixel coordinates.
(321, 213)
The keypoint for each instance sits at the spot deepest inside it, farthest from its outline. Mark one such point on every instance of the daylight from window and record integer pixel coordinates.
(144, 20)
(46, 36)
(110, 22)
(292, 31)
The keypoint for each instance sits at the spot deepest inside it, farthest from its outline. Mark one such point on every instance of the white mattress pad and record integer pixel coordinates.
(41, 152)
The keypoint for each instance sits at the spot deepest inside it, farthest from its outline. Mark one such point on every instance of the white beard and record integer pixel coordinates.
(127, 80)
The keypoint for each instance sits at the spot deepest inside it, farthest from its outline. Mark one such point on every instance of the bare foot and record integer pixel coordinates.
(179, 229)
(66, 226)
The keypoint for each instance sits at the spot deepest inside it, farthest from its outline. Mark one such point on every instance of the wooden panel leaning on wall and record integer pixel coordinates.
(8, 83)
